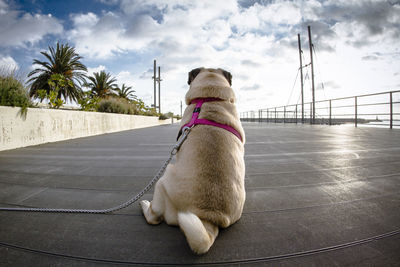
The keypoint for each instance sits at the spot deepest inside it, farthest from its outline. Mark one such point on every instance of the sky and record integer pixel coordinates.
(356, 44)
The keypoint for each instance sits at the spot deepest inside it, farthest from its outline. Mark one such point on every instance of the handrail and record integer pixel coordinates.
(358, 112)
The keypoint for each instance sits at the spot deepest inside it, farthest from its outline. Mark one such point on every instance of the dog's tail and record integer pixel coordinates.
(200, 234)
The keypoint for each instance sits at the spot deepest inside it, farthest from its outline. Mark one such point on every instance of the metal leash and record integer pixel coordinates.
(173, 152)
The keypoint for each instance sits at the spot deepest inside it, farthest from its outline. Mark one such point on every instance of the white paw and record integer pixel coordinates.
(145, 205)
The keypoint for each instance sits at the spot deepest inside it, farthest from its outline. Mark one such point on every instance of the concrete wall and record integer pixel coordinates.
(51, 125)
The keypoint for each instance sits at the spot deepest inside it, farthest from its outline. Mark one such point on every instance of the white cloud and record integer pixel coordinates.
(109, 2)
(194, 34)
(3, 6)
(135, 30)
(7, 63)
(99, 68)
(253, 87)
(18, 28)
(361, 23)
(96, 37)
(127, 78)
(255, 40)
(85, 21)
(246, 20)
(280, 12)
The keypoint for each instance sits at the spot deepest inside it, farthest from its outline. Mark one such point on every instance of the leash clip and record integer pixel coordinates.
(185, 132)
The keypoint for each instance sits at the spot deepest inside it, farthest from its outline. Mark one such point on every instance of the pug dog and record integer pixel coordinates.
(204, 189)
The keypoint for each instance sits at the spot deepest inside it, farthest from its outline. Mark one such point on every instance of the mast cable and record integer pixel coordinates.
(295, 80)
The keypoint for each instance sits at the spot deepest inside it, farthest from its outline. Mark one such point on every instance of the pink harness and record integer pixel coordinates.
(195, 118)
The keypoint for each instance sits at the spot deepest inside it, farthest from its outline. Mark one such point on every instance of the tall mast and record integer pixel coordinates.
(301, 79)
(155, 86)
(159, 90)
(312, 75)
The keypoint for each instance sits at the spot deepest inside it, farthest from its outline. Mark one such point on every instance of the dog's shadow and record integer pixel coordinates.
(169, 246)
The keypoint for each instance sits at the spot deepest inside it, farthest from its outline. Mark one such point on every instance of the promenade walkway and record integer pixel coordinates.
(316, 196)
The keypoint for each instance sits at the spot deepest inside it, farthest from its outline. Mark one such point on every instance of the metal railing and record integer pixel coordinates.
(379, 109)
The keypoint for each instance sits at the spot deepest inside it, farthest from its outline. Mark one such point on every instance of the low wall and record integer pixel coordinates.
(51, 125)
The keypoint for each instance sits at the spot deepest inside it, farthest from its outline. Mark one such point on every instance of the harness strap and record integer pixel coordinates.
(196, 121)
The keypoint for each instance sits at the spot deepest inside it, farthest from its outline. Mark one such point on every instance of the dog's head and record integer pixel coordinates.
(193, 74)
(206, 83)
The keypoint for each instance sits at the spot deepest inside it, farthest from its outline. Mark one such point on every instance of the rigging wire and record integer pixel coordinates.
(320, 73)
(319, 70)
(295, 80)
(298, 100)
(307, 80)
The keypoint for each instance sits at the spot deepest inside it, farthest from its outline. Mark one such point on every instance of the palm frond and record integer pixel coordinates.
(101, 84)
(60, 60)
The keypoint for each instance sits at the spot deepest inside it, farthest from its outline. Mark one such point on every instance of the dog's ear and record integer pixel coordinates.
(228, 76)
(192, 74)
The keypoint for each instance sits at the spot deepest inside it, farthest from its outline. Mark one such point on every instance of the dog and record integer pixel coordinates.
(204, 190)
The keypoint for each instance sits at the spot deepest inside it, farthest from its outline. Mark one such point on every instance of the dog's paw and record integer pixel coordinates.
(145, 204)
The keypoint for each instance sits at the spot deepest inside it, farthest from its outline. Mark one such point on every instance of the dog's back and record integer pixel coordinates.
(204, 189)
(212, 169)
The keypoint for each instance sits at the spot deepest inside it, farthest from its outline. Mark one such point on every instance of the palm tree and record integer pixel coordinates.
(102, 84)
(64, 61)
(125, 92)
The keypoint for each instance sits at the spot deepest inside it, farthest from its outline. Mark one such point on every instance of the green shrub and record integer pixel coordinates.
(163, 117)
(89, 102)
(13, 93)
(168, 116)
(116, 105)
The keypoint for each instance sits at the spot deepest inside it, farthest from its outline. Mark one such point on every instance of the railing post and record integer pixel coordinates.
(391, 110)
(330, 112)
(261, 113)
(355, 111)
(267, 114)
(284, 114)
(296, 113)
(275, 115)
(311, 121)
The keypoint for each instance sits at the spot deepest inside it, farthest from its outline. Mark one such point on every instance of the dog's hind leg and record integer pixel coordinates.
(153, 211)
(200, 234)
